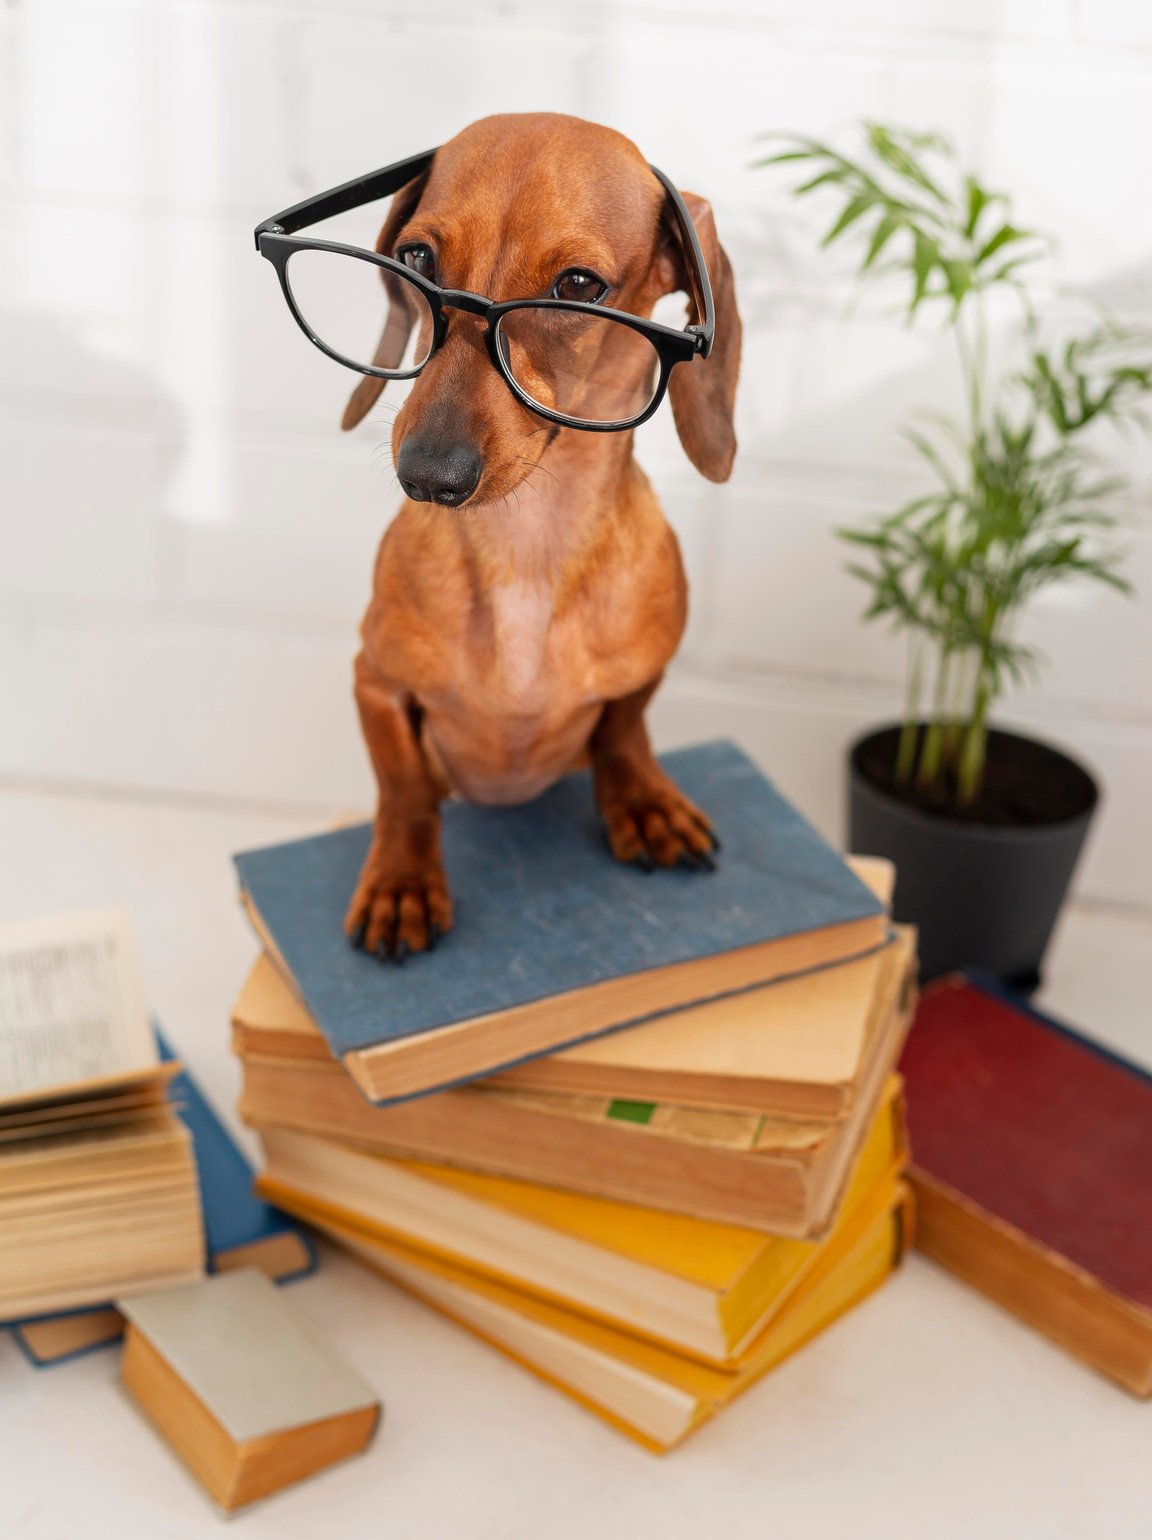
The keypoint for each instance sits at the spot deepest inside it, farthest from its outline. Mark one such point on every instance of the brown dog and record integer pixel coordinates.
(509, 642)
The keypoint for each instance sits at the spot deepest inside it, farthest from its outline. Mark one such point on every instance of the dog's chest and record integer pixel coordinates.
(522, 617)
(519, 711)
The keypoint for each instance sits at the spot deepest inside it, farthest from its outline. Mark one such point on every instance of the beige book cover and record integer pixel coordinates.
(242, 1386)
(248, 1354)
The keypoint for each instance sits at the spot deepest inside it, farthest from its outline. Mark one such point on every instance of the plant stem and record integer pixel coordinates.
(979, 362)
(970, 777)
(932, 749)
(953, 716)
(910, 729)
(973, 351)
(958, 706)
(973, 753)
(965, 738)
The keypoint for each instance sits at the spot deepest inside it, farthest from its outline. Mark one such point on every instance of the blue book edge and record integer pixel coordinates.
(623, 1026)
(233, 1214)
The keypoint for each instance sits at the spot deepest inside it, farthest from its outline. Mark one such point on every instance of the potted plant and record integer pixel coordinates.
(985, 826)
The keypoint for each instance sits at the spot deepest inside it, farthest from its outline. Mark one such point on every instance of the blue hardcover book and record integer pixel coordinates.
(555, 941)
(241, 1230)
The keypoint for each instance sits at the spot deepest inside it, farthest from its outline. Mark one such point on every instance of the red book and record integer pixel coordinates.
(1032, 1163)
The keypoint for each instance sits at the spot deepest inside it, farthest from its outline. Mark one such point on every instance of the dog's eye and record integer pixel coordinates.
(421, 259)
(576, 283)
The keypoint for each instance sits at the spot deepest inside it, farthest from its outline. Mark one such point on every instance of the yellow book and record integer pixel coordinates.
(703, 1288)
(657, 1396)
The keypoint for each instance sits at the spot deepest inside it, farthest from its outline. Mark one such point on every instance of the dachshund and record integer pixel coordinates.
(529, 594)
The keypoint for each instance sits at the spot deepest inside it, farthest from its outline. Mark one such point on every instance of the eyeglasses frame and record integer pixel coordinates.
(276, 240)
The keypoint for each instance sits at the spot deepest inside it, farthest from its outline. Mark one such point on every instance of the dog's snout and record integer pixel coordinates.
(435, 475)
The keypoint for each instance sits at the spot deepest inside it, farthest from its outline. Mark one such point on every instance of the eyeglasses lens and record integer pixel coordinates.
(579, 364)
(364, 313)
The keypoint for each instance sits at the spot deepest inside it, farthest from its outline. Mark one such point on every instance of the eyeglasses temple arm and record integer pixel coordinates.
(350, 195)
(704, 328)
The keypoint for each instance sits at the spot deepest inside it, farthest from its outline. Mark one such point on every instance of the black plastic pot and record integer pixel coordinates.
(982, 894)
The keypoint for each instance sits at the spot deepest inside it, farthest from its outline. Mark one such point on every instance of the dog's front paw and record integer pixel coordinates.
(393, 914)
(656, 825)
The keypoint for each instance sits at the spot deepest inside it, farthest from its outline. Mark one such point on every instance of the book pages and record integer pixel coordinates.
(71, 1002)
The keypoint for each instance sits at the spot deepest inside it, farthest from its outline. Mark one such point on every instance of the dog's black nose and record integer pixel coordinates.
(448, 476)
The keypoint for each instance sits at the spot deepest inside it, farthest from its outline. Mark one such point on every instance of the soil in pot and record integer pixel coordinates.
(1026, 784)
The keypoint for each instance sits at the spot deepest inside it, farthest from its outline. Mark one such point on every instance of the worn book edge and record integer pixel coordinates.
(1037, 1284)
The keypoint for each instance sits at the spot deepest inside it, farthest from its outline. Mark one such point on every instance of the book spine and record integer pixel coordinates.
(1040, 1287)
(473, 1130)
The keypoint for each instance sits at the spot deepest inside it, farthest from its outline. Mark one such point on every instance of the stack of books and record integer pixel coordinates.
(641, 1132)
(98, 1188)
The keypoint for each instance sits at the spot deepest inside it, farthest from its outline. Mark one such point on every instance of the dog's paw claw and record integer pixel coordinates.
(657, 826)
(392, 918)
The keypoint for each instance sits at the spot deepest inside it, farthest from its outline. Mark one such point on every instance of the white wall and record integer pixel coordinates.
(185, 538)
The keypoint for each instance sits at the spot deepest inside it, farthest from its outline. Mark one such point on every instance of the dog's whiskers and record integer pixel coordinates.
(526, 480)
(535, 465)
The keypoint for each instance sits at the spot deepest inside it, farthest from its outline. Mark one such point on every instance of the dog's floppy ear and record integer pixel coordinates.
(398, 323)
(703, 389)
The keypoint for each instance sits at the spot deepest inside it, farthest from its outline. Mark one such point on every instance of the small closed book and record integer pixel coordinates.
(242, 1386)
(1032, 1152)
(555, 941)
(240, 1228)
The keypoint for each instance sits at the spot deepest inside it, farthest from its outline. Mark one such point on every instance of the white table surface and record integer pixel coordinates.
(927, 1413)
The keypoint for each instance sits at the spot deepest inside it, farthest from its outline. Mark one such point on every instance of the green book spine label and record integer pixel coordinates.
(632, 1112)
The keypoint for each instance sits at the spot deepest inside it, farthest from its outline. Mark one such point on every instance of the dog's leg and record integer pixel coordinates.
(401, 904)
(650, 821)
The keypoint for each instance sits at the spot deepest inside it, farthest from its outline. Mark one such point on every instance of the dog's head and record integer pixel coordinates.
(520, 207)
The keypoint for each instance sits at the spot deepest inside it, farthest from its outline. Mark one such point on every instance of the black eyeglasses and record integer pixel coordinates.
(576, 363)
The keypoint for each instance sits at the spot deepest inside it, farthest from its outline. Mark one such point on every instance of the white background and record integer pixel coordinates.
(185, 537)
